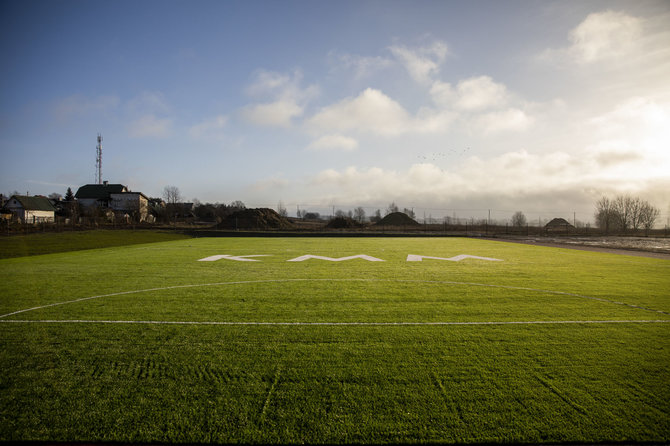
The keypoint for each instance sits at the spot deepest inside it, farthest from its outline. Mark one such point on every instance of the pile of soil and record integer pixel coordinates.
(342, 223)
(262, 218)
(397, 219)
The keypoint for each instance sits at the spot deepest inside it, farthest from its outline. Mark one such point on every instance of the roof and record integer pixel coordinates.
(34, 203)
(558, 222)
(131, 193)
(99, 191)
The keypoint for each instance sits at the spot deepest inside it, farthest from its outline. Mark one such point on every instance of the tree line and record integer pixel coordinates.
(624, 213)
(621, 214)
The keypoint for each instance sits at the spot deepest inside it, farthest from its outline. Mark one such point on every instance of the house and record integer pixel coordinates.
(134, 204)
(31, 210)
(98, 195)
(116, 198)
(558, 225)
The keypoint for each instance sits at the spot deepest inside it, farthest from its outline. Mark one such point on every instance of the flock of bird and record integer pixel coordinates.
(436, 156)
(450, 153)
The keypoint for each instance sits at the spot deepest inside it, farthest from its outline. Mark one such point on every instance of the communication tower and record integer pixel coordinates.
(98, 160)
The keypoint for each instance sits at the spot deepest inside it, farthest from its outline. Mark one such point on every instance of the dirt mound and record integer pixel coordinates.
(397, 219)
(262, 218)
(342, 223)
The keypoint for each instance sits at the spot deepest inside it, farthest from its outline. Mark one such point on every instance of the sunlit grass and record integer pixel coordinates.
(142, 383)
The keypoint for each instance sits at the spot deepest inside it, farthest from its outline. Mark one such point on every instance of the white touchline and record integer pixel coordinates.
(85, 321)
(340, 259)
(245, 282)
(458, 258)
(229, 257)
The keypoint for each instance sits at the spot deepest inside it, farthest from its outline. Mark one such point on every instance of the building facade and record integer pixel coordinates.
(31, 210)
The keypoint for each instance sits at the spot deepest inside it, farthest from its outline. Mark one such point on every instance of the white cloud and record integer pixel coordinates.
(374, 112)
(479, 93)
(371, 111)
(608, 36)
(604, 35)
(209, 128)
(287, 99)
(511, 119)
(556, 180)
(443, 94)
(638, 125)
(362, 66)
(334, 142)
(482, 105)
(150, 126)
(470, 95)
(269, 81)
(422, 64)
(273, 114)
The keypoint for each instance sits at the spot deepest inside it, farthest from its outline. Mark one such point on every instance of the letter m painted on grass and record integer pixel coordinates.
(458, 258)
(340, 259)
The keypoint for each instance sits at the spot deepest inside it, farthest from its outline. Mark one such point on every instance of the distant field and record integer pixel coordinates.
(48, 243)
(147, 344)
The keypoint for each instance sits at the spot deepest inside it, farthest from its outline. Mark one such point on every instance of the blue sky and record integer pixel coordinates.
(449, 107)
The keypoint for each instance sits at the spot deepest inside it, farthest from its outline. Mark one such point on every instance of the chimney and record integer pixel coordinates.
(104, 183)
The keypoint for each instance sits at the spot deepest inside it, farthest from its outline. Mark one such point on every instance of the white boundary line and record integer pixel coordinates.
(244, 282)
(82, 321)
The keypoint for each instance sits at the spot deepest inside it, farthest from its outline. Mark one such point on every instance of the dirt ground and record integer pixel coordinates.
(658, 248)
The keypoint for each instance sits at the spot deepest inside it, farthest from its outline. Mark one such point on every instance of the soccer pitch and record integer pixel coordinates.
(335, 340)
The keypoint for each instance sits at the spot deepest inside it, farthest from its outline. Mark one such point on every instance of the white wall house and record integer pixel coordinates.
(31, 210)
(116, 198)
(131, 203)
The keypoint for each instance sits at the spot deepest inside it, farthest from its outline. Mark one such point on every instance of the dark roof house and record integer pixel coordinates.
(99, 191)
(28, 209)
(36, 203)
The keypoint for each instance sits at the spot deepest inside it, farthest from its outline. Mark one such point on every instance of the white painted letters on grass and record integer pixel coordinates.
(410, 258)
(229, 257)
(458, 258)
(340, 259)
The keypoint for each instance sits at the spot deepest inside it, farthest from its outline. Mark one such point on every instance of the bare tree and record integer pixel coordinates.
(410, 213)
(648, 216)
(172, 196)
(237, 205)
(377, 217)
(359, 214)
(392, 208)
(605, 214)
(622, 211)
(281, 210)
(519, 219)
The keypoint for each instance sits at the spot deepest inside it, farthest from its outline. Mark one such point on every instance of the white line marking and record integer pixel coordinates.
(83, 321)
(458, 258)
(340, 259)
(244, 282)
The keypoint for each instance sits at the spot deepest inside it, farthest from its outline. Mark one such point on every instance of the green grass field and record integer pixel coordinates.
(146, 344)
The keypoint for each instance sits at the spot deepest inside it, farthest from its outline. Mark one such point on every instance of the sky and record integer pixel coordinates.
(445, 107)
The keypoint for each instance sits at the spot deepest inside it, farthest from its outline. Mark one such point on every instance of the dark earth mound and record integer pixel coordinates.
(397, 219)
(342, 223)
(262, 218)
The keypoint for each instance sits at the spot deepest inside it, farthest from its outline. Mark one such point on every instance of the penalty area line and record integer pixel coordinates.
(232, 323)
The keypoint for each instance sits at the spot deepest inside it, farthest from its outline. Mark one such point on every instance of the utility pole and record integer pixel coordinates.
(98, 160)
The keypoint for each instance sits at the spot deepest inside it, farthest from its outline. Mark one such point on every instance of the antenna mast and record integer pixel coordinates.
(98, 160)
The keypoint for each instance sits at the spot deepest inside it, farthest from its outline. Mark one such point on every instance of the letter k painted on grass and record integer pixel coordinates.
(229, 257)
